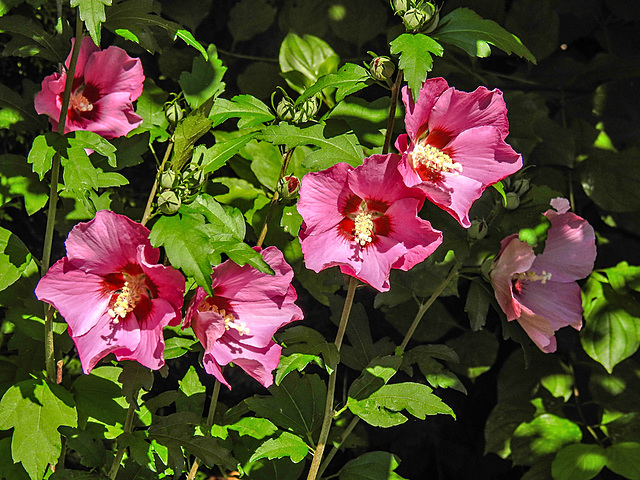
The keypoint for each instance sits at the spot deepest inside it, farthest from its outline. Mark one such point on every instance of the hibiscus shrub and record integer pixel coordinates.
(243, 239)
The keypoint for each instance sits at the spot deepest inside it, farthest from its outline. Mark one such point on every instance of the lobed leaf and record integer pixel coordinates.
(415, 58)
(92, 14)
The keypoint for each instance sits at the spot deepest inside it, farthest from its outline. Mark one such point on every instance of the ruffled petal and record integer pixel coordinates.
(125, 73)
(343, 251)
(108, 243)
(417, 114)
(168, 281)
(456, 111)
(257, 362)
(539, 330)
(559, 303)
(323, 196)
(81, 298)
(112, 116)
(87, 49)
(376, 263)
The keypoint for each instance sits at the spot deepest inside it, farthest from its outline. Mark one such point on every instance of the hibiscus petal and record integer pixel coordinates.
(417, 114)
(377, 260)
(125, 72)
(257, 362)
(168, 281)
(456, 111)
(108, 243)
(113, 117)
(81, 298)
(343, 251)
(515, 257)
(539, 330)
(322, 198)
(570, 249)
(559, 303)
(87, 49)
(212, 368)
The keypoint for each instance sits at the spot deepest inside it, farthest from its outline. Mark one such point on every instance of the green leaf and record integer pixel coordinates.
(175, 347)
(415, 58)
(350, 79)
(266, 162)
(194, 392)
(188, 132)
(91, 450)
(187, 246)
(8, 469)
(254, 427)
(192, 42)
(92, 14)
(612, 324)
(578, 462)
(465, 29)
(435, 373)
(285, 445)
(93, 141)
(383, 407)
(29, 38)
(624, 459)
(134, 377)
(212, 158)
(544, 435)
(42, 152)
(303, 60)
(18, 112)
(295, 361)
(205, 79)
(66, 474)
(371, 466)
(248, 109)
(477, 305)
(502, 422)
(374, 376)
(296, 404)
(248, 18)
(341, 148)
(305, 340)
(35, 410)
(150, 106)
(477, 352)
(14, 258)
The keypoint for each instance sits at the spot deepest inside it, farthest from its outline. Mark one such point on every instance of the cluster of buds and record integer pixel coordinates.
(178, 188)
(417, 15)
(288, 111)
(514, 191)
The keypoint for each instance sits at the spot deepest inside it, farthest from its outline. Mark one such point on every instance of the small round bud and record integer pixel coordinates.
(285, 110)
(400, 6)
(193, 176)
(433, 17)
(173, 112)
(414, 19)
(288, 187)
(168, 179)
(521, 186)
(168, 202)
(382, 68)
(513, 201)
(478, 230)
(307, 110)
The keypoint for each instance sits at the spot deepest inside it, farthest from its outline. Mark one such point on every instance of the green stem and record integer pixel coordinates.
(265, 226)
(334, 450)
(395, 93)
(425, 306)
(212, 411)
(128, 424)
(331, 386)
(49, 354)
(154, 189)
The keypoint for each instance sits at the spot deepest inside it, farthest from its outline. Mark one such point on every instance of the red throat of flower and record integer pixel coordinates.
(519, 279)
(230, 322)
(364, 221)
(81, 102)
(430, 159)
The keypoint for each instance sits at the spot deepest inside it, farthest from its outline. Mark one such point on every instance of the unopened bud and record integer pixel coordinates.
(193, 176)
(513, 201)
(168, 179)
(478, 230)
(414, 19)
(307, 110)
(168, 202)
(432, 17)
(521, 186)
(285, 110)
(288, 187)
(400, 6)
(173, 112)
(382, 68)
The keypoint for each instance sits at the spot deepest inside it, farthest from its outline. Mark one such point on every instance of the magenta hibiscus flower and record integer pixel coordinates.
(237, 324)
(365, 220)
(540, 291)
(105, 84)
(112, 293)
(455, 145)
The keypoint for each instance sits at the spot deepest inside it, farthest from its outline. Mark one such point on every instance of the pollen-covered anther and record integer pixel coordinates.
(434, 159)
(533, 276)
(79, 102)
(363, 228)
(128, 298)
(229, 319)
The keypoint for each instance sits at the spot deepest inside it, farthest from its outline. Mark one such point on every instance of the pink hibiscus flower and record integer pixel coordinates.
(112, 293)
(237, 324)
(365, 220)
(455, 145)
(540, 291)
(105, 84)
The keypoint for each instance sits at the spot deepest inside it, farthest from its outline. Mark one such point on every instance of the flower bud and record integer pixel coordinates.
(168, 179)
(168, 202)
(307, 110)
(173, 112)
(193, 176)
(513, 201)
(432, 15)
(288, 187)
(478, 230)
(285, 110)
(521, 186)
(414, 19)
(382, 68)
(400, 6)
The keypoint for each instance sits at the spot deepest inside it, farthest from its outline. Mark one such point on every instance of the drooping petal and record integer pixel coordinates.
(108, 243)
(515, 257)
(570, 249)
(323, 195)
(112, 116)
(87, 49)
(81, 298)
(559, 303)
(539, 330)
(376, 262)
(125, 73)
(48, 100)
(456, 111)
(257, 362)
(417, 114)
(192, 308)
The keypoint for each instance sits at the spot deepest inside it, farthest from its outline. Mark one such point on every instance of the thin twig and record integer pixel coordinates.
(128, 424)
(212, 411)
(395, 93)
(265, 226)
(154, 189)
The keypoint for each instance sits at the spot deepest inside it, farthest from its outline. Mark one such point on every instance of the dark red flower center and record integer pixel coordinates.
(518, 280)
(208, 305)
(364, 220)
(131, 291)
(431, 159)
(82, 101)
